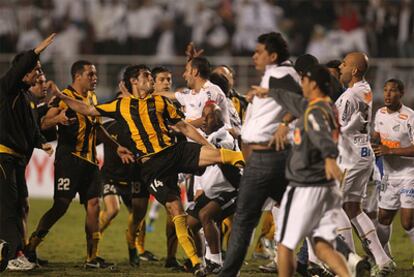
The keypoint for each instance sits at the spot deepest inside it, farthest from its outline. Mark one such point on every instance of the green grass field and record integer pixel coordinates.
(64, 247)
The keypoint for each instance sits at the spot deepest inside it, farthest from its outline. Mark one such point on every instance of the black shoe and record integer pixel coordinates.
(212, 267)
(134, 259)
(4, 254)
(199, 270)
(302, 269)
(148, 257)
(188, 266)
(173, 264)
(31, 256)
(99, 262)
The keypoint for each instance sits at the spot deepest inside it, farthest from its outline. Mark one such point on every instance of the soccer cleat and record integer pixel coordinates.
(173, 264)
(269, 268)
(21, 263)
(134, 259)
(4, 252)
(383, 270)
(212, 267)
(148, 257)
(199, 270)
(260, 256)
(302, 269)
(268, 247)
(319, 270)
(358, 266)
(99, 262)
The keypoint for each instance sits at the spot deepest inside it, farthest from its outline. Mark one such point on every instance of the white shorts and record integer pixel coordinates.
(370, 201)
(355, 181)
(396, 194)
(308, 212)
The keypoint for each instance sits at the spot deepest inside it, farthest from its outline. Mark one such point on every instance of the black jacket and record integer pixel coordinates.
(19, 130)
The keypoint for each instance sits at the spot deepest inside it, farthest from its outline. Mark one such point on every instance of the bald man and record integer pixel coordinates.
(356, 158)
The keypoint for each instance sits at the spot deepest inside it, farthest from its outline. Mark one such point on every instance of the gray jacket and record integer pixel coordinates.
(315, 137)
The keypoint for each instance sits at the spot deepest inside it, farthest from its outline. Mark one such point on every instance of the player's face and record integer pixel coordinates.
(224, 71)
(392, 95)
(306, 86)
(39, 90)
(189, 75)
(209, 121)
(262, 58)
(89, 78)
(145, 81)
(163, 82)
(346, 68)
(31, 77)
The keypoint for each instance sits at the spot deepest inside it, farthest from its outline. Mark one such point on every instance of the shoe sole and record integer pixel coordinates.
(267, 270)
(4, 253)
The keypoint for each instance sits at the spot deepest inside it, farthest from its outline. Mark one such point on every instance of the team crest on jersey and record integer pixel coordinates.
(396, 128)
(297, 138)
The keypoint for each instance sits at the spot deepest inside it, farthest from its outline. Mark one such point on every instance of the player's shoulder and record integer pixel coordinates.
(381, 111)
(406, 113)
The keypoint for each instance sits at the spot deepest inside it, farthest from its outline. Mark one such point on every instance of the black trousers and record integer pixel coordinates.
(263, 177)
(11, 226)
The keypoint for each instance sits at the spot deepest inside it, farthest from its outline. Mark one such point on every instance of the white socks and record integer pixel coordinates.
(410, 233)
(384, 236)
(216, 258)
(368, 233)
(345, 229)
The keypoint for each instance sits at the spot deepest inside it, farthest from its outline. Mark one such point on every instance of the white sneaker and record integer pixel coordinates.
(357, 265)
(21, 263)
(269, 247)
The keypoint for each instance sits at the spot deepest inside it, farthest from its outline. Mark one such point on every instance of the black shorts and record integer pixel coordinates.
(126, 190)
(75, 175)
(160, 172)
(226, 201)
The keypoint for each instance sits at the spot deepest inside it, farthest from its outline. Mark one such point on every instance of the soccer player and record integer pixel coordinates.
(145, 117)
(312, 199)
(120, 181)
(217, 197)
(76, 165)
(394, 128)
(264, 174)
(19, 135)
(356, 157)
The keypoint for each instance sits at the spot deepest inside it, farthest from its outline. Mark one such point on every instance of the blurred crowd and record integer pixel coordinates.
(326, 29)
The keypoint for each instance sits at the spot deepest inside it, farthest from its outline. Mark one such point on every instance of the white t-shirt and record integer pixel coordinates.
(354, 115)
(396, 131)
(194, 102)
(264, 115)
(213, 181)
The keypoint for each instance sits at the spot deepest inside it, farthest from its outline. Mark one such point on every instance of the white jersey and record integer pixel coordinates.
(194, 102)
(354, 115)
(264, 115)
(396, 131)
(213, 181)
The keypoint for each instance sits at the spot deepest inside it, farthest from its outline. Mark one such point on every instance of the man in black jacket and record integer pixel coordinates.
(19, 135)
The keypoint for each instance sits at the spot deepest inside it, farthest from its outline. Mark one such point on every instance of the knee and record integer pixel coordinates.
(352, 209)
(112, 212)
(205, 217)
(61, 205)
(384, 217)
(407, 224)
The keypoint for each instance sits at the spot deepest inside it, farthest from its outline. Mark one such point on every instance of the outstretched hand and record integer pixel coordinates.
(44, 44)
(47, 148)
(192, 52)
(125, 155)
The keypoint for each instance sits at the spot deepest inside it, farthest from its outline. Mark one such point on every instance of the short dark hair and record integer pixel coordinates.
(398, 82)
(275, 43)
(202, 65)
(78, 68)
(321, 75)
(333, 64)
(228, 67)
(132, 71)
(159, 69)
(304, 62)
(18, 57)
(221, 82)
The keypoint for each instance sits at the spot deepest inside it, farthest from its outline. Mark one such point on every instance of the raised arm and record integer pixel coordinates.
(189, 131)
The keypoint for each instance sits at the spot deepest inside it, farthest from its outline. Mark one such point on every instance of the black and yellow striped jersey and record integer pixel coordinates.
(78, 138)
(146, 120)
(240, 103)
